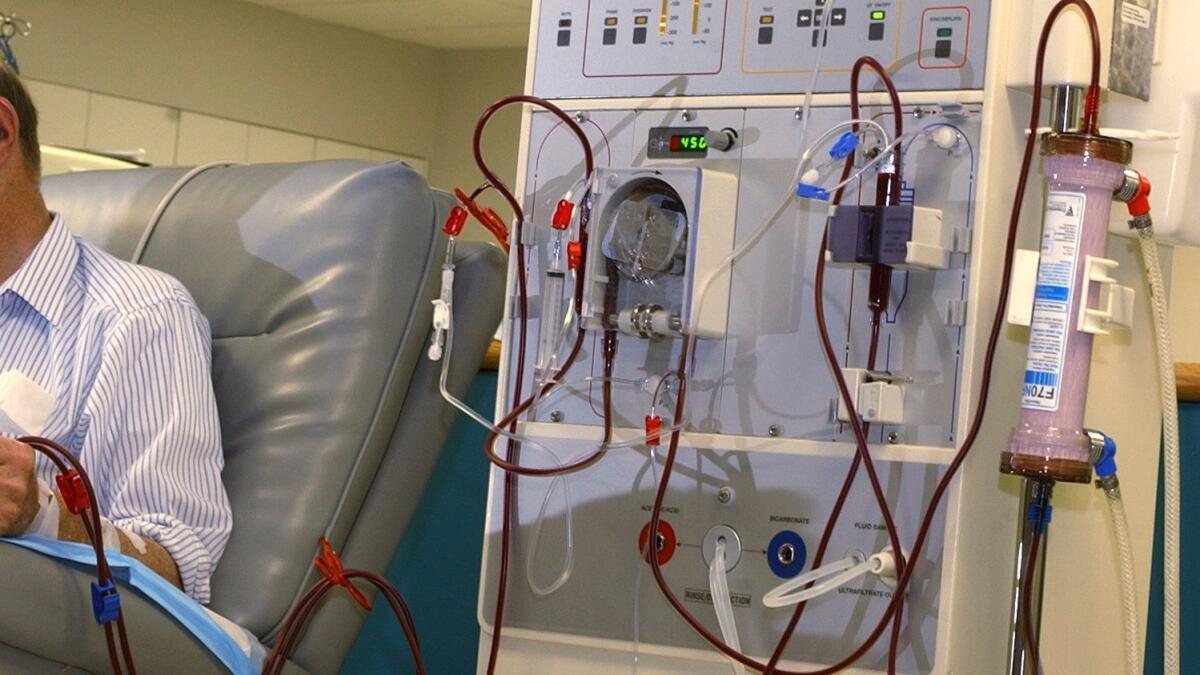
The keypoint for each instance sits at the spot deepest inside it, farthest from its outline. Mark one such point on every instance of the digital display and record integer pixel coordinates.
(677, 142)
(689, 143)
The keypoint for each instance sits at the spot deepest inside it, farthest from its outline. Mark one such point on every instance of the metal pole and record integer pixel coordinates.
(1066, 108)
(1018, 663)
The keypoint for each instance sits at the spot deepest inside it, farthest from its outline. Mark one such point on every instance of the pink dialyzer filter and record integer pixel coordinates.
(1082, 171)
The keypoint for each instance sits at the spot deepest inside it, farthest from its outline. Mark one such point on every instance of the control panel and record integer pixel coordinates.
(617, 48)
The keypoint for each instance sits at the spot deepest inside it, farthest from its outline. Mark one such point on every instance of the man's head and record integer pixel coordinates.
(18, 126)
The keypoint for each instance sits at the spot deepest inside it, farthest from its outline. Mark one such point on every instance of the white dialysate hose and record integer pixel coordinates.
(1116, 509)
(718, 586)
(1170, 423)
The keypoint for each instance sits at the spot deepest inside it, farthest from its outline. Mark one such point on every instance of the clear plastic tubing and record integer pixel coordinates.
(1049, 443)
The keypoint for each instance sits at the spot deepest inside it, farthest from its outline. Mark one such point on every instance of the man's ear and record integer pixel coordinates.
(10, 129)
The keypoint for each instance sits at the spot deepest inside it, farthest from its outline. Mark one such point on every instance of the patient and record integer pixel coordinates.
(125, 352)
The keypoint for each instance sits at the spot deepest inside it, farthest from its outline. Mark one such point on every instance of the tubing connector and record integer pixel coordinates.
(808, 191)
(1135, 193)
(1039, 512)
(1104, 458)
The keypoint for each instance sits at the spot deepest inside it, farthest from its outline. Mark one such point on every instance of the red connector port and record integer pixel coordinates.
(665, 543)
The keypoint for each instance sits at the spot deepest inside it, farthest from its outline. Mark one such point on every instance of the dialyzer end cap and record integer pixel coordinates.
(1107, 148)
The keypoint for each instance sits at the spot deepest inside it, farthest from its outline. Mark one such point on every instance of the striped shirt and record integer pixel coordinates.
(127, 356)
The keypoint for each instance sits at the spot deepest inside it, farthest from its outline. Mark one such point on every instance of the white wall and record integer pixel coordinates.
(163, 135)
(238, 61)
(189, 82)
(1185, 305)
(480, 77)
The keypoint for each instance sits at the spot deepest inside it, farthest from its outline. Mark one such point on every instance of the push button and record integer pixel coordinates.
(639, 35)
(838, 17)
(804, 18)
(564, 38)
(941, 49)
(765, 35)
(875, 32)
(610, 36)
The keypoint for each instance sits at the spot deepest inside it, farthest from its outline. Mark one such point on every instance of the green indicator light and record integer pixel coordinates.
(945, 32)
(878, 15)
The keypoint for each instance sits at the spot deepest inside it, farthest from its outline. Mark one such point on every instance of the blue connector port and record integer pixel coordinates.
(786, 554)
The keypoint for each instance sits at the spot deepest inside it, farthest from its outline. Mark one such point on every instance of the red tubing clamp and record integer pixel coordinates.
(653, 426)
(574, 254)
(330, 566)
(73, 491)
(486, 217)
(562, 215)
(455, 221)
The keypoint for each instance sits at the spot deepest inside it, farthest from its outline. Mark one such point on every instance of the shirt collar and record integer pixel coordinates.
(43, 278)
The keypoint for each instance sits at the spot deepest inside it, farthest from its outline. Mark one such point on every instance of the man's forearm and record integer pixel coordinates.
(70, 528)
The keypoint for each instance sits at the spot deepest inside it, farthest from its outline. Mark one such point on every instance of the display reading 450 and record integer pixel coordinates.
(667, 142)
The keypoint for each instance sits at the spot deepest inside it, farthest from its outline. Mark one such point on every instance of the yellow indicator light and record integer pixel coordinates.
(610, 21)
(766, 20)
(640, 20)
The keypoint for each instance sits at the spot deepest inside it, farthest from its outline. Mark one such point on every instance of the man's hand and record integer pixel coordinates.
(18, 487)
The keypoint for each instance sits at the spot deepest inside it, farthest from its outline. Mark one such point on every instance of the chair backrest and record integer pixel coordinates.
(316, 280)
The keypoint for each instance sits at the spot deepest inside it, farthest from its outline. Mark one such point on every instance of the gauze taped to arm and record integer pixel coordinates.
(24, 406)
(24, 409)
(45, 523)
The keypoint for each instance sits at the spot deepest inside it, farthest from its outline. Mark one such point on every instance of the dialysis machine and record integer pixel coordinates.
(698, 113)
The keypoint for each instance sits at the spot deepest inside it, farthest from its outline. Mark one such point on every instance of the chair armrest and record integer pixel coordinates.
(47, 615)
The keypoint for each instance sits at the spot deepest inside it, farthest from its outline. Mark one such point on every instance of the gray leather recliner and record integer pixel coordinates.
(316, 279)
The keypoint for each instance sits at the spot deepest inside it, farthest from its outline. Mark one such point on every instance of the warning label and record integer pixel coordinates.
(1051, 325)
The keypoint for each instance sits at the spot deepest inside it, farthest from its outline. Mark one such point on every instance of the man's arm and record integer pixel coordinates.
(153, 442)
(21, 503)
(150, 552)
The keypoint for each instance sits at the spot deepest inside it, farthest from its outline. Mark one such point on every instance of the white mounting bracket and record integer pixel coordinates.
(1022, 284)
(1116, 301)
(878, 402)
(931, 243)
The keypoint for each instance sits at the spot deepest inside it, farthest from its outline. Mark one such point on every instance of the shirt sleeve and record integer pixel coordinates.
(153, 438)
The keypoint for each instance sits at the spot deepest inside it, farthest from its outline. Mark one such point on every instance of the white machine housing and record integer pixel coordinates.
(762, 421)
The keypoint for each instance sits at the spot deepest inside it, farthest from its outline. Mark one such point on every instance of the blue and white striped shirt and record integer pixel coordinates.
(127, 355)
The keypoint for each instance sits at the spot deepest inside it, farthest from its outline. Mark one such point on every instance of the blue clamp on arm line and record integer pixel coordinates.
(844, 145)
(1039, 516)
(1107, 464)
(106, 602)
(806, 191)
